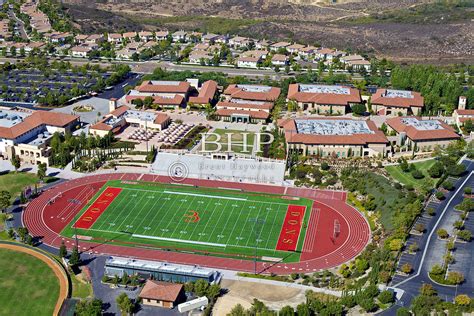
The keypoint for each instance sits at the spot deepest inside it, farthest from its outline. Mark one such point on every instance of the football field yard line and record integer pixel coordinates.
(137, 208)
(198, 224)
(251, 235)
(110, 211)
(158, 212)
(245, 223)
(227, 222)
(273, 224)
(219, 219)
(172, 208)
(191, 208)
(151, 211)
(180, 240)
(212, 216)
(178, 213)
(207, 196)
(235, 224)
(139, 214)
(178, 224)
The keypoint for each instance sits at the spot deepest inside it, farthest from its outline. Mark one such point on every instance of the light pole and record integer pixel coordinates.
(256, 222)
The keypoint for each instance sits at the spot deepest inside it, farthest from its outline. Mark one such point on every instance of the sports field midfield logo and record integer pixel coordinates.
(191, 217)
(94, 211)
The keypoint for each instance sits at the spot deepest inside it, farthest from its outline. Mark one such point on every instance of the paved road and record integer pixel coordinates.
(20, 23)
(432, 250)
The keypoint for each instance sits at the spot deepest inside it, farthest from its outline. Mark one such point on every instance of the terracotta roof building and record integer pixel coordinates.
(206, 94)
(397, 102)
(162, 294)
(252, 92)
(421, 135)
(334, 137)
(166, 94)
(461, 116)
(28, 134)
(323, 99)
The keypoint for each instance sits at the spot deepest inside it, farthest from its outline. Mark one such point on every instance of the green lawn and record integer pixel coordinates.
(27, 285)
(237, 140)
(165, 216)
(406, 177)
(16, 182)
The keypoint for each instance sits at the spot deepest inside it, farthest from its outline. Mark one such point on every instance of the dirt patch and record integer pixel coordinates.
(243, 292)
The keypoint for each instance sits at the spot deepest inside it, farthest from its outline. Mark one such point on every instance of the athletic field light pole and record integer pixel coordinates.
(256, 222)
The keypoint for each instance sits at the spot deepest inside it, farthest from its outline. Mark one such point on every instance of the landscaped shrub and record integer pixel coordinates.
(417, 174)
(440, 195)
(448, 185)
(442, 233)
(465, 235)
(386, 297)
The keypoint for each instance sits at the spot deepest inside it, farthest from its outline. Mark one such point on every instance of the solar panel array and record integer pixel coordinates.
(332, 127)
(428, 125)
(251, 88)
(240, 101)
(313, 88)
(389, 93)
(165, 83)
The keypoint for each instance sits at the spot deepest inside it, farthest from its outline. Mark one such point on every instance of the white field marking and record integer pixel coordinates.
(178, 224)
(235, 223)
(105, 217)
(176, 213)
(180, 240)
(251, 236)
(212, 215)
(220, 216)
(151, 209)
(157, 212)
(301, 228)
(245, 223)
(209, 201)
(165, 216)
(273, 225)
(207, 196)
(86, 207)
(130, 211)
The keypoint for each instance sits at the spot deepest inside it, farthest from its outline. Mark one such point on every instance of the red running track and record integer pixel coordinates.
(321, 249)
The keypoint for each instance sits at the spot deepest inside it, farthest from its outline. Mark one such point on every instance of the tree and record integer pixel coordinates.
(406, 268)
(442, 233)
(75, 258)
(462, 300)
(62, 250)
(386, 297)
(440, 195)
(368, 305)
(287, 311)
(238, 310)
(359, 109)
(403, 311)
(427, 290)
(125, 304)
(41, 171)
(396, 244)
(420, 227)
(448, 185)
(302, 310)
(436, 170)
(200, 287)
(213, 292)
(16, 162)
(5, 198)
(413, 247)
(22, 233)
(465, 235)
(455, 277)
(89, 308)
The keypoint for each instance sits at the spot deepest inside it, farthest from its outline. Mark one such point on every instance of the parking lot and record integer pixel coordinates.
(33, 86)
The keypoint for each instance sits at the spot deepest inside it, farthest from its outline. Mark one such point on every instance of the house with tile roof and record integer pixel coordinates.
(324, 99)
(162, 294)
(417, 134)
(334, 137)
(393, 102)
(206, 95)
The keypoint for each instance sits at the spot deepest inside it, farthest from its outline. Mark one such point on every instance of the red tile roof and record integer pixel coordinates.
(464, 112)
(35, 120)
(418, 135)
(148, 86)
(161, 118)
(379, 98)
(292, 135)
(253, 114)
(101, 126)
(162, 291)
(176, 100)
(119, 111)
(236, 92)
(323, 98)
(208, 90)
